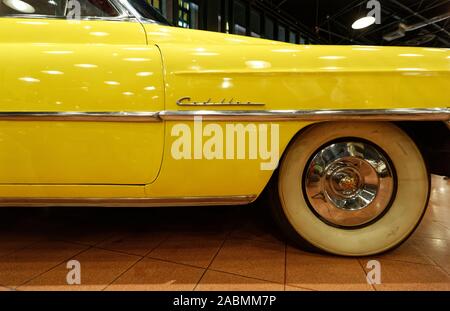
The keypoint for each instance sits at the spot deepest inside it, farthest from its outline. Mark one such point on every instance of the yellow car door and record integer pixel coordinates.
(78, 97)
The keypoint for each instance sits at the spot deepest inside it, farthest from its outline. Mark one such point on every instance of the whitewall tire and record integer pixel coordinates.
(351, 189)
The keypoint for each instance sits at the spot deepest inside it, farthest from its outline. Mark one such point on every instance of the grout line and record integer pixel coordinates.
(255, 240)
(439, 266)
(446, 226)
(110, 237)
(365, 274)
(302, 287)
(173, 262)
(419, 236)
(251, 278)
(248, 277)
(211, 261)
(119, 252)
(405, 261)
(433, 264)
(427, 238)
(138, 261)
(53, 267)
(208, 268)
(23, 247)
(436, 264)
(87, 244)
(73, 242)
(8, 287)
(226, 238)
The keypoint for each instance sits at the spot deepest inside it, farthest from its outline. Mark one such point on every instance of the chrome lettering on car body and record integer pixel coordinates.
(187, 101)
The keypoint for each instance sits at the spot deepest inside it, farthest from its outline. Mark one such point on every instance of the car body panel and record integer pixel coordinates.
(133, 159)
(212, 67)
(75, 66)
(205, 65)
(219, 177)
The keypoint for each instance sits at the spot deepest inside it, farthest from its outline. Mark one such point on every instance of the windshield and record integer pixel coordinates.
(146, 10)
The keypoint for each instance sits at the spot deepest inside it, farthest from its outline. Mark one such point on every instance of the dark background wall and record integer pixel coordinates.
(404, 22)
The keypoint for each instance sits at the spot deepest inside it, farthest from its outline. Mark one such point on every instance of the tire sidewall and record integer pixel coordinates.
(389, 230)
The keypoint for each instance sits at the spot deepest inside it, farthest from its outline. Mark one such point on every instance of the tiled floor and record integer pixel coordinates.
(212, 248)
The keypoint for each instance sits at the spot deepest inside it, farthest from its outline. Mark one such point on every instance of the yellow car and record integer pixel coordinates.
(102, 104)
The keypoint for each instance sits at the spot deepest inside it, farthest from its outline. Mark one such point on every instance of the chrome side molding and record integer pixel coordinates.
(120, 116)
(426, 114)
(431, 114)
(128, 202)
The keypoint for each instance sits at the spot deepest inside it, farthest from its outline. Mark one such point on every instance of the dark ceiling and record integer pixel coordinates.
(403, 22)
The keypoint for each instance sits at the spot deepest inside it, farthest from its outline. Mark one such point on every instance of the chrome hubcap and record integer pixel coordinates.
(349, 183)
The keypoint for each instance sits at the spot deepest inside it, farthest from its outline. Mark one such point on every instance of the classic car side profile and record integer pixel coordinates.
(104, 104)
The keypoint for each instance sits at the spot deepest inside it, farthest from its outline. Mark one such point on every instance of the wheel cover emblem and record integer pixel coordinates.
(349, 183)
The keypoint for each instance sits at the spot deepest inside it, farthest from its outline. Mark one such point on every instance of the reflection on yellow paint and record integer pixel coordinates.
(411, 69)
(258, 64)
(144, 74)
(112, 83)
(226, 84)
(410, 55)
(58, 52)
(29, 79)
(332, 57)
(99, 34)
(136, 59)
(87, 66)
(53, 72)
(331, 68)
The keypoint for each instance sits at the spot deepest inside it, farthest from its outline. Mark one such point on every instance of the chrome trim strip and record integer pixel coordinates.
(432, 114)
(120, 18)
(128, 202)
(120, 116)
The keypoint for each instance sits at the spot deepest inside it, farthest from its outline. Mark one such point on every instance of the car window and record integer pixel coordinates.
(97, 8)
(32, 7)
(57, 8)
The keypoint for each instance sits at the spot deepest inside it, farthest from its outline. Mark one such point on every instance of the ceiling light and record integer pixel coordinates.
(363, 22)
(20, 6)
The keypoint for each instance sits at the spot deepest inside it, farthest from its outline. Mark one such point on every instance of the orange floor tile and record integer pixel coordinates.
(207, 248)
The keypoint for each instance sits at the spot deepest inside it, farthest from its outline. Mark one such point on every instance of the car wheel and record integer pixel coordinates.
(351, 189)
